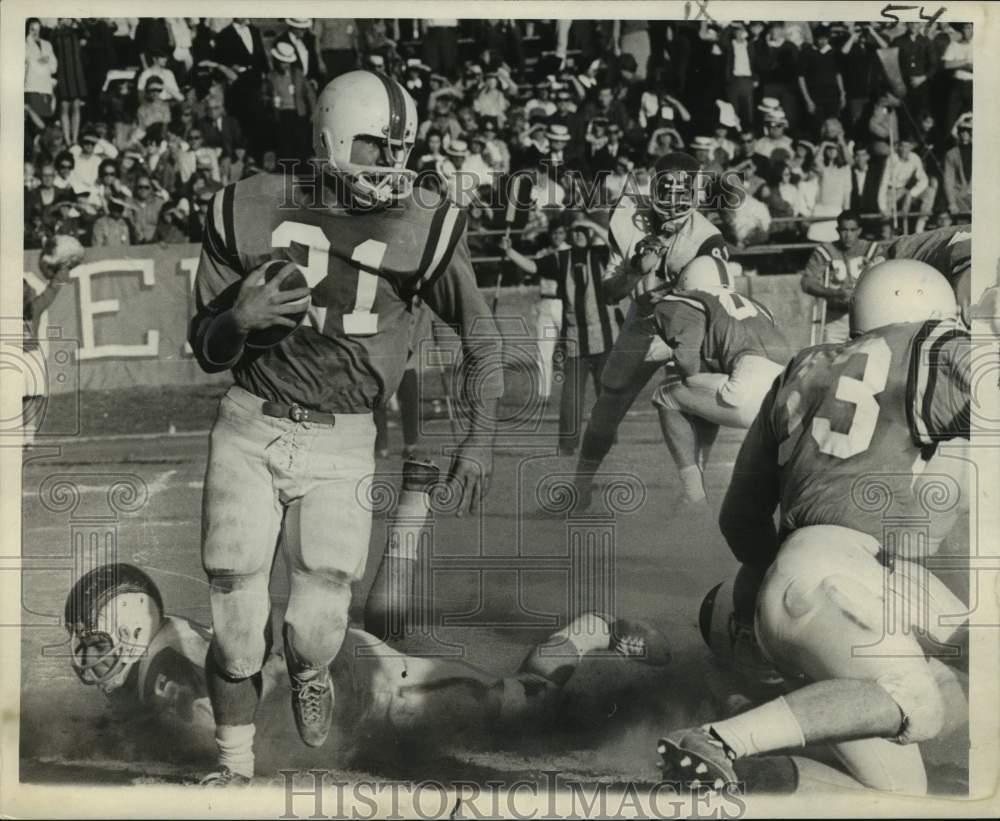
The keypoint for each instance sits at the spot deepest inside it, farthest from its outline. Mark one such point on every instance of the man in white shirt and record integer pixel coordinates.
(171, 91)
(906, 184)
(86, 162)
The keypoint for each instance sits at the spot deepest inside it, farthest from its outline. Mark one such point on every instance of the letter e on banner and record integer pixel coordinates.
(89, 308)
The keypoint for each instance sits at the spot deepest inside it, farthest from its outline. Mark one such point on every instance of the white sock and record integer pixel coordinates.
(235, 744)
(772, 726)
(693, 484)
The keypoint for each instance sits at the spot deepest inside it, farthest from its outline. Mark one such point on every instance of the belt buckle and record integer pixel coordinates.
(297, 413)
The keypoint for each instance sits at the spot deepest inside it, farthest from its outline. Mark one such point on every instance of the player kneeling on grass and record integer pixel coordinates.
(726, 350)
(840, 442)
(124, 642)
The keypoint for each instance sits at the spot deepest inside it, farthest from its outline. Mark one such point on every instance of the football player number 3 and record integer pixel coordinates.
(860, 393)
(361, 321)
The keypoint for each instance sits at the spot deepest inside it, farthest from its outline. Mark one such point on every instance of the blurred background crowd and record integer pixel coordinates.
(131, 124)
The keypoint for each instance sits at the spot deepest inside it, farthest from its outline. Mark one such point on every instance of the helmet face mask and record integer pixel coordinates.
(112, 614)
(363, 108)
(674, 186)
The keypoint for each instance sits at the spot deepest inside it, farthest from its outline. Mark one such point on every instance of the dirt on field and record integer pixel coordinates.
(502, 581)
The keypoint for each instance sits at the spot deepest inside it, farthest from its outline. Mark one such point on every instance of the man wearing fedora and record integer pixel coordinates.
(294, 100)
(300, 37)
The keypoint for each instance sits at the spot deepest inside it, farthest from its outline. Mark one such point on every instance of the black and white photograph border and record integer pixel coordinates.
(486, 585)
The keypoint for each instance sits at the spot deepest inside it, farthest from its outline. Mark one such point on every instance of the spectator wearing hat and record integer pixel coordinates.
(294, 100)
(111, 230)
(820, 80)
(87, 162)
(957, 60)
(459, 186)
(144, 210)
(742, 71)
(300, 37)
(416, 81)
(778, 59)
(957, 173)
(442, 119)
(153, 108)
(703, 150)
(337, 45)
(775, 145)
(158, 68)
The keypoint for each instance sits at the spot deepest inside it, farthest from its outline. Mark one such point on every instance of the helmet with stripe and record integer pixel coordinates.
(674, 187)
(900, 290)
(112, 614)
(366, 106)
(705, 273)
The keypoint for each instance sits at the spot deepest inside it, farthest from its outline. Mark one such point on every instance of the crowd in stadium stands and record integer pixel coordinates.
(131, 124)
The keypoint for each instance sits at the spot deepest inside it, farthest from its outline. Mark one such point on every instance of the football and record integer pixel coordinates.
(264, 338)
(61, 252)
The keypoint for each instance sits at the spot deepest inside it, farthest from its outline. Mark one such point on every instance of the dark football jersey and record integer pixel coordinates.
(363, 268)
(846, 432)
(171, 676)
(711, 331)
(949, 250)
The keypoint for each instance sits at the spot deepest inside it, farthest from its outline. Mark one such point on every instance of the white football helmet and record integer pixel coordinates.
(705, 273)
(112, 614)
(61, 251)
(900, 290)
(732, 642)
(367, 104)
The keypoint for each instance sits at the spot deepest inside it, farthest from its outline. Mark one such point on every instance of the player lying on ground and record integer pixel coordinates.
(726, 351)
(124, 642)
(305, 290)
(652, 239)
(839, 445)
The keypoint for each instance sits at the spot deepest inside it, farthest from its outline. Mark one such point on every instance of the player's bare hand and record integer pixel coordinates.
(469, 476)
(263, 304)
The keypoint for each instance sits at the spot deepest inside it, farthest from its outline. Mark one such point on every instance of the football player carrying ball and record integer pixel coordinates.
(294, 436)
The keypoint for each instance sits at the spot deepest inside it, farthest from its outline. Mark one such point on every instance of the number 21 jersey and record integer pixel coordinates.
(363, 268)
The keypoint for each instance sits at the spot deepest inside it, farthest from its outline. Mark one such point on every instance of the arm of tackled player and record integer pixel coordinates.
(682, 326)
(456, 299)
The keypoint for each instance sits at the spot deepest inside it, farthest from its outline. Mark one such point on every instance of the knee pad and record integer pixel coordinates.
(240, 653)
(241, 618)
(919, 698)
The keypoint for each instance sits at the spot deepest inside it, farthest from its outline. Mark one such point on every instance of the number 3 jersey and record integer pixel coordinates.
(364, 268)
(846, 432)
(711, 331)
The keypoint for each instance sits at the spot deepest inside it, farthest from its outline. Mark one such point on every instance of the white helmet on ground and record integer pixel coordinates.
(706, 273)
(900, 290)
(112, 614)
(370, 105)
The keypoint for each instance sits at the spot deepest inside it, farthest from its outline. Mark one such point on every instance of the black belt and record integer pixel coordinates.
(297, 413)
(546, 296)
